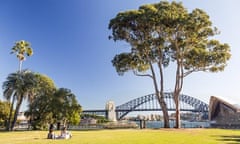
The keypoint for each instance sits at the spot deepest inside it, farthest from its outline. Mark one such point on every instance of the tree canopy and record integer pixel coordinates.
(22, 49)
(46, 103)
(51, 105)
(39, 108)
(70, 111)
(166, 33)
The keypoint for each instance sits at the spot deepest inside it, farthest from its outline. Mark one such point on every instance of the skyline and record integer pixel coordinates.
(71, 46)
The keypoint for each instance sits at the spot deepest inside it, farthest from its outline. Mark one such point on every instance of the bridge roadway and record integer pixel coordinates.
(150, 103)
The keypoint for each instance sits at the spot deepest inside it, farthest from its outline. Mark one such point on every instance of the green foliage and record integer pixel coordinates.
(40, 107)
(70, 109)
(166, 33)
(22, 49)
(51, 105)
(74, 117)
(20, 85)
(4, 112)
(47, 104)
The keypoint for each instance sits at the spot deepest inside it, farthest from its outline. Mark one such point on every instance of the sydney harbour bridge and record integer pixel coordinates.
(150, 103)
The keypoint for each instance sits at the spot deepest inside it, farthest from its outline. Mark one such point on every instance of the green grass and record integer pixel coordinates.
(129, 136)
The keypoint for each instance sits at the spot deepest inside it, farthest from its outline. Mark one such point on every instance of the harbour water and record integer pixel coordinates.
(184, 124)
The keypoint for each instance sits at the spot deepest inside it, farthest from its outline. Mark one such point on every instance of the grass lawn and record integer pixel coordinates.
(129, 136)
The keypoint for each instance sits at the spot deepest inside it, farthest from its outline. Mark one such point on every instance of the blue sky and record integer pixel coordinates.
(71, 46)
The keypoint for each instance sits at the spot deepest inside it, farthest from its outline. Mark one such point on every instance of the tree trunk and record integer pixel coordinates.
(160, 97)
(20, 65)
(177, 90)
(16, 112)
(178, 120)
(11, 111)
(164, 110)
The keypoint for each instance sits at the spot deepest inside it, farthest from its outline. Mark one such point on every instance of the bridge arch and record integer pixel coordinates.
(150, 103)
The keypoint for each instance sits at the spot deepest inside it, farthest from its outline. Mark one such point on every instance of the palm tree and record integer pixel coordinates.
(8, 94)
(22, 49)
(22, 85)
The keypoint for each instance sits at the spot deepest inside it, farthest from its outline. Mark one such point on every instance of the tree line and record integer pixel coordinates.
(47, 104)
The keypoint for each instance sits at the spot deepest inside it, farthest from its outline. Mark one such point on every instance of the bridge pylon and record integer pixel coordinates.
(111, 113)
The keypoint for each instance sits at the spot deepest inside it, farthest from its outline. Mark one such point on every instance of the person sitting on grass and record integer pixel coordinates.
(65, 134)
(51, 134)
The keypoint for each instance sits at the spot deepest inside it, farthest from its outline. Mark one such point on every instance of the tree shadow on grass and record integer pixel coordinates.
(229, 139)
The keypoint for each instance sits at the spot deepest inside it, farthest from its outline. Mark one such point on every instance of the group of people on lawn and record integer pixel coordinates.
(63, 135)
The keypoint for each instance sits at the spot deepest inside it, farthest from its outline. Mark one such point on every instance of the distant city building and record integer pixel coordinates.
(21, 118)
(191, 116)
(22, 121)
(88, 121)
(223, 114)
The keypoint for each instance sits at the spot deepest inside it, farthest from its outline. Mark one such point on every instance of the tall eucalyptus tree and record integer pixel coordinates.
(166, 33)
(138, 28)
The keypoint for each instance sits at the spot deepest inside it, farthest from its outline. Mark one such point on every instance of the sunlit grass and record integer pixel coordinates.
(148, 136)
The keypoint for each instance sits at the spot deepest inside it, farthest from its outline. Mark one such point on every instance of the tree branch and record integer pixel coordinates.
(143, 75)
(195, 70)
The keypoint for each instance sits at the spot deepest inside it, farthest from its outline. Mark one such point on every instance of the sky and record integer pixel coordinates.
(71, 46)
